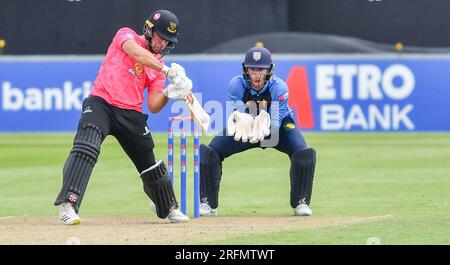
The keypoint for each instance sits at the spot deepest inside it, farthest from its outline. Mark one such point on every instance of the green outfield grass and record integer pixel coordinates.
(405, 176)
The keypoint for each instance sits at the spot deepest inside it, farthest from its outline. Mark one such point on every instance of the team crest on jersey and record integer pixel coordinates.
(289, 126)
(172, 28)
(138, 69)
(256, 56)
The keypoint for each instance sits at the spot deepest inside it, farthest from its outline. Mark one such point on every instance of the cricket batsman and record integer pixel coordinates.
(114, 107)
(259, 91)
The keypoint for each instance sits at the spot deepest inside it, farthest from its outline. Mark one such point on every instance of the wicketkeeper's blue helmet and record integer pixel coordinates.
(257, 57)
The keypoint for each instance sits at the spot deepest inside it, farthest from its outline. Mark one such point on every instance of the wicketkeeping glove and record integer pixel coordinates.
(261, 127)
(240, 125)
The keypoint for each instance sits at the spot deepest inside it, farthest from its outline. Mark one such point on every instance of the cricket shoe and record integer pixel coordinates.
(206, 210)
(175, 215)
(302, 210)
(67, 214)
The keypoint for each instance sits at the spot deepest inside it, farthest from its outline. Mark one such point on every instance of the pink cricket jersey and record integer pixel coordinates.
(121, 81)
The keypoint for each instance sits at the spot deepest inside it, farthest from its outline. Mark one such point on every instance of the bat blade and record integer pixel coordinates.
(200, 116)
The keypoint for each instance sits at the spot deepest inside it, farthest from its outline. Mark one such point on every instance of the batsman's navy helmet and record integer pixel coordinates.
(166, 24)
(258, 57)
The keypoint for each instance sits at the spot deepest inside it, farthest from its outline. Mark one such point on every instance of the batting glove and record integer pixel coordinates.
(179, 85)
(173, 92)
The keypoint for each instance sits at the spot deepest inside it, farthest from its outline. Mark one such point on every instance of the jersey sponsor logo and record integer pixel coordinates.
(354, 97)
(172, 28)
(138, 69)
(283, 97)
(289, 126)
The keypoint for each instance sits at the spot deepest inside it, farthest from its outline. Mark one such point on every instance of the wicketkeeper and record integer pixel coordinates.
(265, 117)
(114, 107)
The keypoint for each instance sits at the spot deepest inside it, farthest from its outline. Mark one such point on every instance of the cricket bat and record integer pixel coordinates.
(201, 118)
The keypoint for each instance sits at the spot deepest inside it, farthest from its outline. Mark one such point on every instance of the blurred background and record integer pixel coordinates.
(87, 26)
(351, 65)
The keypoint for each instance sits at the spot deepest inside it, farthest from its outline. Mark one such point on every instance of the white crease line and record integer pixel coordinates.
(366, 219)
(7, 217)
(12, 217)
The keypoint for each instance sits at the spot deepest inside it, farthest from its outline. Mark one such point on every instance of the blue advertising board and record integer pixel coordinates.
(327, 93)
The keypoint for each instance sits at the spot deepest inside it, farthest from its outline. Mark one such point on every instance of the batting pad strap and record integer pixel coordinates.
(157, 165)
(159, 189)
(85, 147)
(155, 176)
(88, 140)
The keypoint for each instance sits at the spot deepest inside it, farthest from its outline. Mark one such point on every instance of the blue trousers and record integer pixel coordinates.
(290, 139)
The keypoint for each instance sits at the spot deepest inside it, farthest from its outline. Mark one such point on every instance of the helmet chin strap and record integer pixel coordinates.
(149, 44)
(161, 53)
